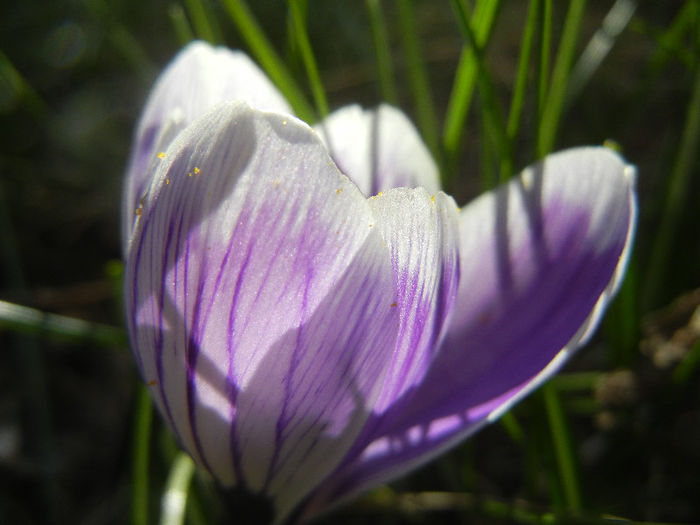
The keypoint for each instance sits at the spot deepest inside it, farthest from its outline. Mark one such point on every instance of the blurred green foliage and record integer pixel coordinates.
(492, 85)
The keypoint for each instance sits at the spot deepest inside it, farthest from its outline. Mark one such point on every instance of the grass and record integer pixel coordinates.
(492, 86)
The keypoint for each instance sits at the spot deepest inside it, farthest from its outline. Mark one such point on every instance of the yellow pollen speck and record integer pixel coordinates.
(189, 173)
(432, 198)
(379, 194)
(339, 190)
(392, 305)
(167, 181)
(137, 211)
(284, 122)
(196, 170)
(371, 225)
(161, 155)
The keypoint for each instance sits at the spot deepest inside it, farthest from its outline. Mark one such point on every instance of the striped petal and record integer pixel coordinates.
(421, 233)
(258, 299)
(540, 259)
(379, 149)
(199, 77)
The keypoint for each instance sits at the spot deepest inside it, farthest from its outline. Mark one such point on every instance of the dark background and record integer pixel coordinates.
(73, 79)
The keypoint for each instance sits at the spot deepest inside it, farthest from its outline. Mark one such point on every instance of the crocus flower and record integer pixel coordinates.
(307, 328)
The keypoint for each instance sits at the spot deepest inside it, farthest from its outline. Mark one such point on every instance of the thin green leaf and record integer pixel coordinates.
(512, 427)
(566, 458)
(670, 43)
(121, 39)
(416, 504)
(302, 37)
(267, 57)
(181, 26)
(676, 197)
(490, 109)
(482, 20)
(554, 105)
(141, 453)
(621, 323)
(29, 367)
(545, 53)
(382, 49)
(174, 500)
(599, 46)
(418, 75)
(518, 99)
(573, 382)
(205, 25)
(14, 89)
(685, 369)
(25, 319)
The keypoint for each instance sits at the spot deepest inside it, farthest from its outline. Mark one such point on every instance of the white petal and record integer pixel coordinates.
(379, 149)
(199, 77)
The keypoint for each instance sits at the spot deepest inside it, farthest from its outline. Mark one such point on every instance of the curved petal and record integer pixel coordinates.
(421, 232)
(199, 77)
(540, 260)
(258, 301)
(379, 149)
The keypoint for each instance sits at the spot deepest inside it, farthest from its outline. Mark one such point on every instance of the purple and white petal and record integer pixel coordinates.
(199, 77)
(255, 281)
(379, 149)
(421, 232)
(540, 259)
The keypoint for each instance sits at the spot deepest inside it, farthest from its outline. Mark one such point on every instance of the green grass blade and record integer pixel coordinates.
(518, 99)
(513, 428)
(24, 319)
(418, 75)
(566, 458)
(302, 38)
(174, 500)
(29, 369)
(121, 38)
(292, 53)
(576, 381)
(675, 201)
(267, 57)
(15, 89)
(621, 323)
(482, 20)
(554, 105)
(490, 110)
(599, 46)
(671, 41)
(685, 369)
(205, 25)
(181, 26)
(544, 59)
(385, 69)
(140, 466)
